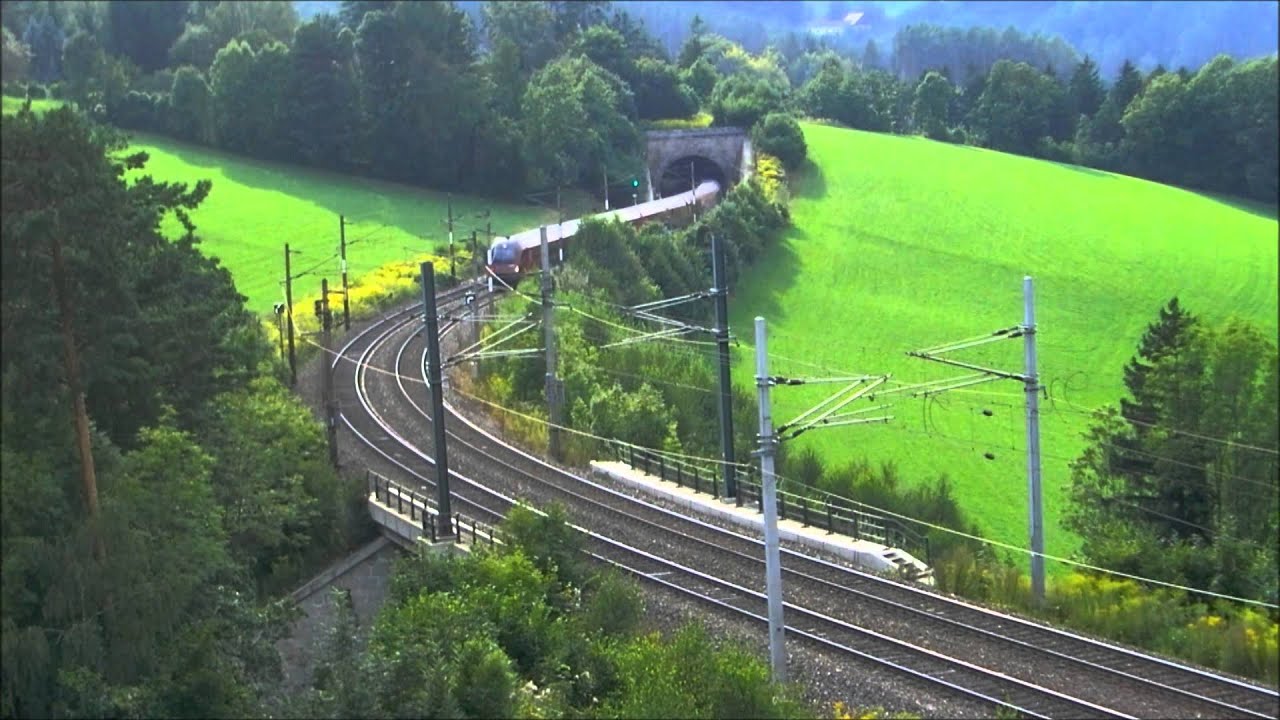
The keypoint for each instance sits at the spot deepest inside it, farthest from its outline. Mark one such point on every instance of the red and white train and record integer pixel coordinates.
(511, 257)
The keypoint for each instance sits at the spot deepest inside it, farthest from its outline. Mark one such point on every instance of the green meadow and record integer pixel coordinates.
(255, 207)
(13, 104)
(902, 243)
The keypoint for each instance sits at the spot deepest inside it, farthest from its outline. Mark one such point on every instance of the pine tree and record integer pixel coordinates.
(1085, 91)
(1166, 336)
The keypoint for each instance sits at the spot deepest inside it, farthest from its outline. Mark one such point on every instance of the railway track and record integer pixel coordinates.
(999, 660)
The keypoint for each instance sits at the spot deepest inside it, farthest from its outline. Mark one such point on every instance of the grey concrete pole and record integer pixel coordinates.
(769, 490)
(548, 326)
(1032, 387)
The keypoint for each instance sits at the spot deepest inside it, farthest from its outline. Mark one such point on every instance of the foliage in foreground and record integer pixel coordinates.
(506, 633)
(146, 594)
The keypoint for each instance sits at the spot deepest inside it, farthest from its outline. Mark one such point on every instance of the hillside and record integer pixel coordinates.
(902, 243)
(256, 207)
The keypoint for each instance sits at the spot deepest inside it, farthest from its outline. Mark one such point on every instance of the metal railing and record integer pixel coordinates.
(814, 508)
(422, 510)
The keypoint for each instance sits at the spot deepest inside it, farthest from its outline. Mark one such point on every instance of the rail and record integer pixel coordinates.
(422, 510)
(831, 512)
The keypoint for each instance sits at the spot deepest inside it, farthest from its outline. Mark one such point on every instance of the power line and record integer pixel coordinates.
(923, 523)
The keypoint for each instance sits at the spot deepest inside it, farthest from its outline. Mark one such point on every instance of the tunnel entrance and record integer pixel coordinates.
(685, 173)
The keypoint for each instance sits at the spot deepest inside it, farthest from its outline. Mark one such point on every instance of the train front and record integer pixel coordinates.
(504, 260)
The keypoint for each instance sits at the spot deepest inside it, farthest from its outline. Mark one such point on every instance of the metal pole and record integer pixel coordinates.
(769, 490)
(453, 270)
(606, 188)
(288, 303)
(437, 395)
(1032, 386)
(346, 301)
(475, 254)
(553, 389)
(488, 237)
(721, 294)
(331, 419)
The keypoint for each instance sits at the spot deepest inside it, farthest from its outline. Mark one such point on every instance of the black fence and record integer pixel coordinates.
(421, 509)
(816, 508)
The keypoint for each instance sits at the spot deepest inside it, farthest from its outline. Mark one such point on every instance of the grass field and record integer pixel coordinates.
(256, 207)
(902, 243)
(14, 104)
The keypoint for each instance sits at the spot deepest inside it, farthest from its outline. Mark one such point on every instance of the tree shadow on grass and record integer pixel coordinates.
(1267, 211)
(771, 274)
(360, 199)
(1082, 169)
(809, 182)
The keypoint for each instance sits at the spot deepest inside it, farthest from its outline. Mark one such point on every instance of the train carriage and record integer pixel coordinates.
(512, 257)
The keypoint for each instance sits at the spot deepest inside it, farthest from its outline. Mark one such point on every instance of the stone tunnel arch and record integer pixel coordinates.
(720, 152)
(684, 173)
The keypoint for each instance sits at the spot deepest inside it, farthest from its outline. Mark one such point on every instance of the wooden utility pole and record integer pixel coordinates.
(71, 360)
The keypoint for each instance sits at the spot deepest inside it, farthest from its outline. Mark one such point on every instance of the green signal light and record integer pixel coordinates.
(635, 182)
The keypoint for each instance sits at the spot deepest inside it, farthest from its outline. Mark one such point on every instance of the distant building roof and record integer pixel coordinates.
(852, 18)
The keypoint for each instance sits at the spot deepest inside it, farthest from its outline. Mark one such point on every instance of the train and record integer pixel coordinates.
(512, 257)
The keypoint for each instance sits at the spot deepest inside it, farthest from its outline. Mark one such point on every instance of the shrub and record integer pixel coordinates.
(36, 91)
(779, 135)
(772, 178)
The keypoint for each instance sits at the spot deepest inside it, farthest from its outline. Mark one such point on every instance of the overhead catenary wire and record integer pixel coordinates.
(901, 516)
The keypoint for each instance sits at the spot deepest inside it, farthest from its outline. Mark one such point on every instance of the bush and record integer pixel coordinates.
(36, 91)
(779, 135)
(772, 178)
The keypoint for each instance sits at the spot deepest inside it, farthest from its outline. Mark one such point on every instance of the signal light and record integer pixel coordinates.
(635, 182)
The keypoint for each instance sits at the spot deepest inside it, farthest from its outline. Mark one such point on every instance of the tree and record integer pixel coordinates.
(1157, 130)
(196, 46)
(577, 119)
(1085, 92)
(83, 63)
(1014, 110)
(929, 109)
(871, 56)
(419, 92)
(530, 26)
(1107, 127)
(352, 12)
(605, 47)
(274, 19)
(659, 91)
(320, 97)
(779, 134)
(741, 100)
(191, 107)
(144, 31)
(702, 78)
(271, 473)
(1154, 493)
(820, 96)
(16, 59)
(693, 47)
(44, 39)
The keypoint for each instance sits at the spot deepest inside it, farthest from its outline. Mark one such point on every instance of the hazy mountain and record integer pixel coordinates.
(1149, 33)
